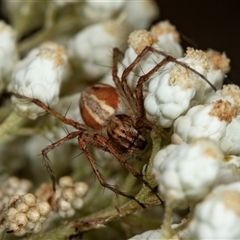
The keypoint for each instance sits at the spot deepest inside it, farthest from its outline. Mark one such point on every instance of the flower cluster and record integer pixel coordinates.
(12, 186)
(24, 214)
(197, 167)
(68, 196)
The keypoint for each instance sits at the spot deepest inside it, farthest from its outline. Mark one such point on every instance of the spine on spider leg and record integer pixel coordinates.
(57, 115)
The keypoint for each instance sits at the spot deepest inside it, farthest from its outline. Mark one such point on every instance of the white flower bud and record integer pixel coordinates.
(172, 92)
(22, 207)
(64, 205)
(11, 212)
(33, 214)
(33, 82)
(13, 182)
(209, 121)
(157, 234)
(95, 11)
(168, 38)
(66, 181)
(80, 188)
(218, 216)
(77, 203)
(185, 173)
(67, 213)
(219, 66)
(137, 41)
(33, 54)
(140, 14)
(68, 194)
(29, 199)
(20, 219)
(91, 55)
(8, 53)
(43, 208)
(230, 92)
(151, 234)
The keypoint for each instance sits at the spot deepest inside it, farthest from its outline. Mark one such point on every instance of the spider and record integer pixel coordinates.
(106, 127)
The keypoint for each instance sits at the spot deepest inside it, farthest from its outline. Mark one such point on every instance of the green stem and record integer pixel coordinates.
(10, 126)
(156, 144)
(97, 220)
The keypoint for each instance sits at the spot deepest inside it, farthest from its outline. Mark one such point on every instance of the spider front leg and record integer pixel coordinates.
(49, 148)
(57, 115)
(101, 142)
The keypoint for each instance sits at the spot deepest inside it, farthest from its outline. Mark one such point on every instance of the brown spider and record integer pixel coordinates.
(99, 106)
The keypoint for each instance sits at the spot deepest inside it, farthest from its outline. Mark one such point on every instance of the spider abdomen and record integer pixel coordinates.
(97, 104)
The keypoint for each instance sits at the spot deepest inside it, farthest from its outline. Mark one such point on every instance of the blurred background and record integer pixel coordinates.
(203, 24)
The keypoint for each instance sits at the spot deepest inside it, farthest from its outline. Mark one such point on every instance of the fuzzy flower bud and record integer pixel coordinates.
(230, 92)
(137, 41)
(33, 82)
(140, 14)
(211, 121)
(13, 186)
(24, 215)
(218, 216)
(8, 53)
(168, 38)
(92, 55)
(175, 89)
(68, 196)
(96, 11)
(186, 172)
(157, 234)
(219, 66)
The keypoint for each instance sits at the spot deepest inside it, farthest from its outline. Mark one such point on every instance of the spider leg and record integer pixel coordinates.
(57, 115)
(141, 81)
(104, 144)
(49, 148)
(122, 87)
(116, 79)
(172, 59)
(145, 77)
(100, 142)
